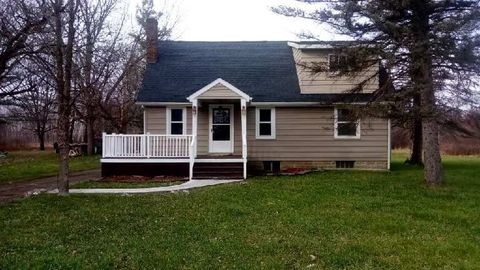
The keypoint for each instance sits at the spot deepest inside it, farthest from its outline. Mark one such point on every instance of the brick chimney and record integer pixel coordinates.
(151, 31)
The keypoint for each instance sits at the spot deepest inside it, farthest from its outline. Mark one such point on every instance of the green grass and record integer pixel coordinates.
(326, 220)
(123, 184)
(27, 165)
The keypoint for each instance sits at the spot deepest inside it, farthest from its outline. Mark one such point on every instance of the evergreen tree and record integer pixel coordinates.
(427, 48)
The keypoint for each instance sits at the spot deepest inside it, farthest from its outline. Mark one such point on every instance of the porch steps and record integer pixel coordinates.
(218, 170)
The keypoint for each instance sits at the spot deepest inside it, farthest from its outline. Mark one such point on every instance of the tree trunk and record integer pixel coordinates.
(71, 130)
(64, 65)
(433, 162)
(90, 136)
(62, 103)
(88, 90)
(432, 159)
(416, 132)
(417, 144)
(40, 131)
(423, 79)
(64, 148)
(41, 140)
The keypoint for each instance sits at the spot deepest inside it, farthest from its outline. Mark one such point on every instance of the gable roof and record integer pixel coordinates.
(229, 86)
(264, 70)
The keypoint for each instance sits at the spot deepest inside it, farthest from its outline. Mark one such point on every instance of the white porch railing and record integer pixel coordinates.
(147, 146)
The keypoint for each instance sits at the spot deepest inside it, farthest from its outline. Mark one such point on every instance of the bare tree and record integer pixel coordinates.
(118, 103)
(94, 66)
(64, 39)
(36, 107)
(20, 20)
(94, 58)
(110, 64)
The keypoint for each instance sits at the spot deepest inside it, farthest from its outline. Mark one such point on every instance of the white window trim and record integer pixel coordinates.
(272, 122)
(335, 130)
(169, 119)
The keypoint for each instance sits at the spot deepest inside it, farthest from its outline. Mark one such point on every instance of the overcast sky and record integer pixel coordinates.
(227, 20)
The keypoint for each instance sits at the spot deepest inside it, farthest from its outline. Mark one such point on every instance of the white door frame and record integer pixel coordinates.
(210, 128)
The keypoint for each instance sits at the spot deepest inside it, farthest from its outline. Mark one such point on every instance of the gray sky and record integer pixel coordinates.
(227, 20)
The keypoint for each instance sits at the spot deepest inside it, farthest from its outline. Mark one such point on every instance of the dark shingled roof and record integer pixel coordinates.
(265, 70)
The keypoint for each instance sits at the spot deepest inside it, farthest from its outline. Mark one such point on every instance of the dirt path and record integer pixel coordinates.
(11, 191)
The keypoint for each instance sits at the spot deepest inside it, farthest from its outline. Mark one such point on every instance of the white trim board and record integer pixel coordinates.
(320, 45)
(309, 46)
(222, 82)
(154, 103)
(304, 104)
(261, 103)
(145, 160)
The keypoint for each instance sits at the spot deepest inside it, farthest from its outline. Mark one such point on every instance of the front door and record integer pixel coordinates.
(221, 129)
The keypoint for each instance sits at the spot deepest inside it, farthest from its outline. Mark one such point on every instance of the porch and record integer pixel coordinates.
(169, 152)
(209, 133)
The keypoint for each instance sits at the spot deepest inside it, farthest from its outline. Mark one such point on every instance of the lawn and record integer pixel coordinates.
(325, 220)
(27, 165)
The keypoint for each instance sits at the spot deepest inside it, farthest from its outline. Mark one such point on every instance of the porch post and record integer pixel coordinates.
(104, 144)
(194, 124)
(243, 108)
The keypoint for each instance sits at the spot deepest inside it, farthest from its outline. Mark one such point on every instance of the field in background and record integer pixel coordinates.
(27, 165)
(325, 220)
(450, 143)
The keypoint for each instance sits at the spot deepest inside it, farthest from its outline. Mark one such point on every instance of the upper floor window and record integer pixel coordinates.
(347, 125)
(176, 121)
(337, 62)
(265, 123)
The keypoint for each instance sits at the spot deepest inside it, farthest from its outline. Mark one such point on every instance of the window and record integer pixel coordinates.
(346, 125)
(271, 167)
(344, 164)
(336, 62)
(176, 121)
(265, 123)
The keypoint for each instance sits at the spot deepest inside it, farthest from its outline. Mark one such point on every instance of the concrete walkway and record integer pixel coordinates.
(184, 186)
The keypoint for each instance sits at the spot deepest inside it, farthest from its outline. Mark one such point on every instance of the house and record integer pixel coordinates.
(230, 109)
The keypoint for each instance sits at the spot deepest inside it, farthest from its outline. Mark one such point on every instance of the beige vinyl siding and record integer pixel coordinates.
(156, 120)
(218, 91)
(307, 134)
(321, 83)
(302, 133)
(203, 130)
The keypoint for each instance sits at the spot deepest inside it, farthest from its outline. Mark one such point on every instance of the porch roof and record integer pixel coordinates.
(212, 90)
(264, 70)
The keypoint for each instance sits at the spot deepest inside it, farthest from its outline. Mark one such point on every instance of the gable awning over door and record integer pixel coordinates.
(219, 89)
